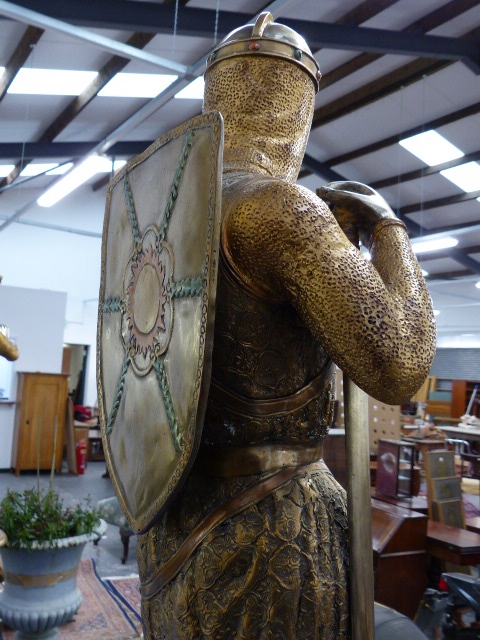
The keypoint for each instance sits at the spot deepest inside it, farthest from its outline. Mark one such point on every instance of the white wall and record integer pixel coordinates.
(36, 319)
(52, 257)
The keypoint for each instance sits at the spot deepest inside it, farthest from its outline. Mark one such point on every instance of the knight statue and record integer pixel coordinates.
(253, 543)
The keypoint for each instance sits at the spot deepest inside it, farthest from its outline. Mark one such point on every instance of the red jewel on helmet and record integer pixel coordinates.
(254, 46)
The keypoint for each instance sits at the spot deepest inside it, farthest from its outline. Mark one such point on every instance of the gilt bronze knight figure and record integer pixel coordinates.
(254, 544)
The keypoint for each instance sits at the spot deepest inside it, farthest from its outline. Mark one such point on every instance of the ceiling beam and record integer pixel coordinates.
(39, 19)
(459, 255)
(366, 10)
(438, 202)
(424, 171)
(106, 73)
(75, 106)
(43, 150)
(429, 22)
(456, 276)
(18, 58)
(436, 123)
(374, 90)
(150, 17)
(442, 253)
(320, 169)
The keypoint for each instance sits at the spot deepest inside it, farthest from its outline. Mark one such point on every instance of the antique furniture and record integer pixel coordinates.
(395, 462)
(109, 510)
(443, 489)
(399, 556)
(39, 421)
(452, 544)
(462, 391)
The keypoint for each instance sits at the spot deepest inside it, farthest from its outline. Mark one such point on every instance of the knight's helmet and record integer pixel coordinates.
(263, 78)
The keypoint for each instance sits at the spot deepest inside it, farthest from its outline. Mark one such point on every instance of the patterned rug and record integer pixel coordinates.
(471, 511)
(127, 592)
(103, 614)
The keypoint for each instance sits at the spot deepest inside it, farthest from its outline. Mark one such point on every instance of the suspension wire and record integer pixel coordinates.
(175, 24)
(215, 32)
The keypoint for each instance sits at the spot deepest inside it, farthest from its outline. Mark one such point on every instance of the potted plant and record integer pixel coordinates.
(41, 543)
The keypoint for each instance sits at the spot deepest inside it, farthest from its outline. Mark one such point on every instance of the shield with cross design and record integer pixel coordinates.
(156, 313)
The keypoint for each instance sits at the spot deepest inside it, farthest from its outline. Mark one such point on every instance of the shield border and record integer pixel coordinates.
(142, 522)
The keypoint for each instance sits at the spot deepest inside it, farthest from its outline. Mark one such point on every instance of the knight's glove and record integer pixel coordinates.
(360, 211)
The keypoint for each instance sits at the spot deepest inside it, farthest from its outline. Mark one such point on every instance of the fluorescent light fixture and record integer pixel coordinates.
(431, 147)
(6, 169)
(477, 284)
(53, 169)
(2, 69)
(436, 312)
(77, 176)
(466, 176)
(425, 273)
(137, 85)
(193, 91)
(51, 82)
(425, 244)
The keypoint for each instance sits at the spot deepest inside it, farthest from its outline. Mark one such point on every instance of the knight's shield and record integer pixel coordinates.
(156, 313)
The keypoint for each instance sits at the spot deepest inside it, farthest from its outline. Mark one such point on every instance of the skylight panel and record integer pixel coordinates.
(6, 169)
(51, 82)
(137, 85)
(53, 168)
(81, 173)
(466, 176)
(193, 91)
(426, 244)
(431, 147)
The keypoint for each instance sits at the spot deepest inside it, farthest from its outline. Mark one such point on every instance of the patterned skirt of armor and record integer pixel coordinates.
(276, 571)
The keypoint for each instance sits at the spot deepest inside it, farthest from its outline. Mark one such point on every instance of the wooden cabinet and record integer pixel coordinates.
(41, 400)
(461, 393)
(395, 468)
(399, 558)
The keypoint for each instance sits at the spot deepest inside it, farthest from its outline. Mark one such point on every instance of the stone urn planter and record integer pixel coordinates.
(41, 543)
(40, 589)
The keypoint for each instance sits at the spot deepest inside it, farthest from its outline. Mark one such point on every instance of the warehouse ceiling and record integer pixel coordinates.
(391, 69)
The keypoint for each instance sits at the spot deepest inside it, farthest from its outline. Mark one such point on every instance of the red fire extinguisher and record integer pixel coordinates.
(81, 456)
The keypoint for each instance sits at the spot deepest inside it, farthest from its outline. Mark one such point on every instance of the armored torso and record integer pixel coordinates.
(272, 382)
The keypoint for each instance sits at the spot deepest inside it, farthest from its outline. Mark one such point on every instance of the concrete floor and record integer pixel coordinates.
(108, 552)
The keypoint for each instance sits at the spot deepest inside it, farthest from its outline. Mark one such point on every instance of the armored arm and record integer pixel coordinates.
(375, 319)
(8, 349)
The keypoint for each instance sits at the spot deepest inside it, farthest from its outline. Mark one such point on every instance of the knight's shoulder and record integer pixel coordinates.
(270, 192)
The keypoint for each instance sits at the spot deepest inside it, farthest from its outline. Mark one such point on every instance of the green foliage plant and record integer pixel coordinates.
(36, 515)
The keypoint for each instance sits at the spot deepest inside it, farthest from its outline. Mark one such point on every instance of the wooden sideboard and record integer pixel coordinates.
(41, 401)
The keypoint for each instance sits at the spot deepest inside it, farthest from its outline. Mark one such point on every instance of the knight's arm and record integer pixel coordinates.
(8, 349)
(375, 319)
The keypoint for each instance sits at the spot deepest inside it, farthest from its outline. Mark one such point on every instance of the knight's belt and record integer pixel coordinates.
(240, 501)
(253, 459)
(255, 407)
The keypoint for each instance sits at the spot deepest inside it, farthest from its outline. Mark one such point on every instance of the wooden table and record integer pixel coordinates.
(463, 433)
(473, 524)
(451, 544)
(415, 503)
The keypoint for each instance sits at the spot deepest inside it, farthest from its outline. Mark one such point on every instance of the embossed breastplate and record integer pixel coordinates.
(272, 382)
